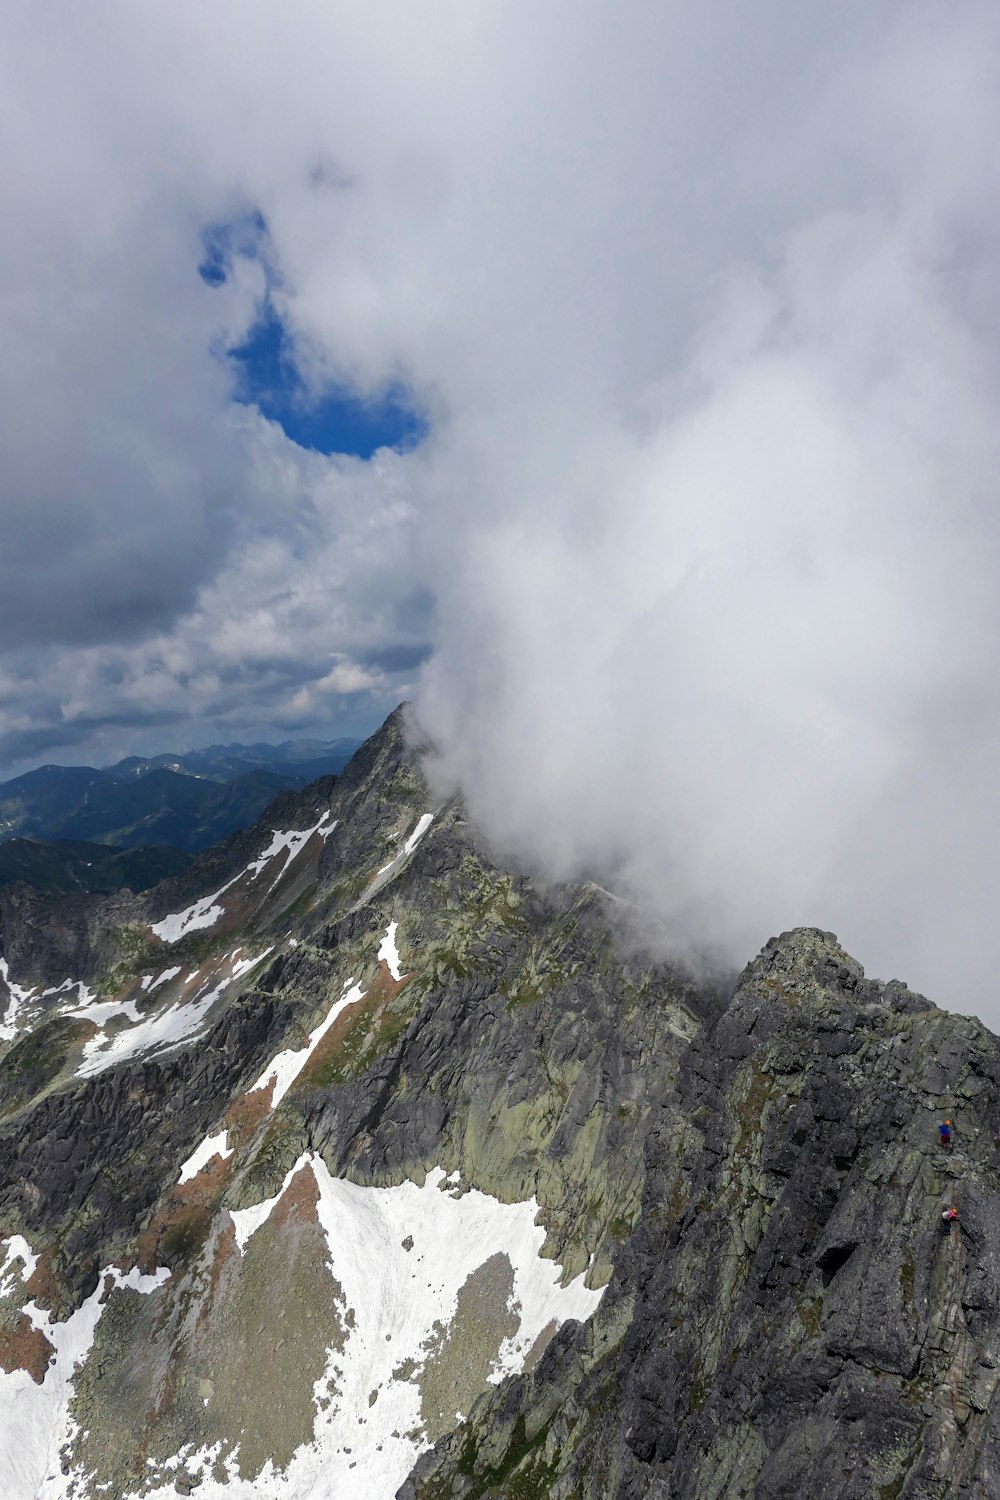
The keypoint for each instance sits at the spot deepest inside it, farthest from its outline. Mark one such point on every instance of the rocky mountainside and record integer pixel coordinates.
(350, 1163)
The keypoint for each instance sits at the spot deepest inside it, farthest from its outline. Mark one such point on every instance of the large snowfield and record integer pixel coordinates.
(401, 1256)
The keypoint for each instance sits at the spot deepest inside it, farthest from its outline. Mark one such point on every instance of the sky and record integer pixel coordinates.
(617, 383)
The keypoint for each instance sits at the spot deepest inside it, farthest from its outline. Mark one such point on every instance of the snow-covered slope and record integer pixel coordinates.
(430, 1293)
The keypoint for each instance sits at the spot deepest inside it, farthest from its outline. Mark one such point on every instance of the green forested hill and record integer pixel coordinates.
(77, 866)
(161, 807)
(188, 802)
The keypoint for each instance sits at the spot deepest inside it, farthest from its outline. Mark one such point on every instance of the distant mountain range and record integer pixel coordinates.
(299, 761)
(186, 802)
(76, 866)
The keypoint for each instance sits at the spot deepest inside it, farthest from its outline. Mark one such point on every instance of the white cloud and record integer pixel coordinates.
(700, 302)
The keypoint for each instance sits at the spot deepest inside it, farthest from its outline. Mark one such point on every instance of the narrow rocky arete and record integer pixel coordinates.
(279, 1322)
(350, 1162)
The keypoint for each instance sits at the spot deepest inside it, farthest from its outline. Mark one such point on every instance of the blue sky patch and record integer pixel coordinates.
(334, 422)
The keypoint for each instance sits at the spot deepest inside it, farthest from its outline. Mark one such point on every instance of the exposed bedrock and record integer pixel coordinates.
(752, 1173)
(788, 1317)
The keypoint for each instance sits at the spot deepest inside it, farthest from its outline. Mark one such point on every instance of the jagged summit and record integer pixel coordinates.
(352, 1157)
(809, 959)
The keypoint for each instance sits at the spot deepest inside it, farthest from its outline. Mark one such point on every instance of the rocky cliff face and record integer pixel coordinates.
(351, 1161)
(787, 1317)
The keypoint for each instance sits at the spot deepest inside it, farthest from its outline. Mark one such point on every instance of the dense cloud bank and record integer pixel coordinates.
(700, 307)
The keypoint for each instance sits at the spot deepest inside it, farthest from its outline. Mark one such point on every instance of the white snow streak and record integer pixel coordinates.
(163, 978)
(203, 913)
(17, 1249)
(247, 1221)
(206, 911)
(287, 1066)
(293, 842)
(103, 1011)
(426, 819)
(389, 951)
(423, 823)
(24, 1004)
(159, 1032)
(213, 1145)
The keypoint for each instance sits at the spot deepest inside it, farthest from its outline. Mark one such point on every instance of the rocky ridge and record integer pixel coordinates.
(738, 1189)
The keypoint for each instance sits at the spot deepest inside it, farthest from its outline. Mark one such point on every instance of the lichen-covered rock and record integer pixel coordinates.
(788, 1317)
(751, 1173)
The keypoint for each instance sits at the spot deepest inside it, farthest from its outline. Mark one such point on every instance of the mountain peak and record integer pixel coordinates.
(351, 1108)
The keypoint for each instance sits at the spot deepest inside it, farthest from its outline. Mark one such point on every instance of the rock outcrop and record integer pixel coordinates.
(310, 1068)
(788, 1316)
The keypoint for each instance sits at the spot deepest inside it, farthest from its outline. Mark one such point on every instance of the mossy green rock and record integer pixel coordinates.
(750, 1169)
(788, 1317)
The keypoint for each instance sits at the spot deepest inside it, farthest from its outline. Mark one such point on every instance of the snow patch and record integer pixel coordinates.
(207, 911)
(423, 823)
(19, 998)
(35, 1420)
(400, 1299)
(25, 1004)
(17, 1249)
(389, 951)
(291, 841)
(103, 1011)
(247, 1221)
(213, 1145)
(164, 978)
(287, 1066)
(203, 913)
(160, 1032)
